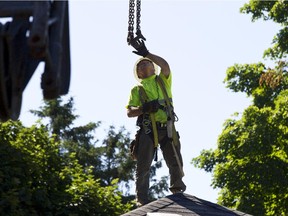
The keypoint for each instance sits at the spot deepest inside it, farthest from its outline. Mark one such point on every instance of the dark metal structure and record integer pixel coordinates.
(32, 32)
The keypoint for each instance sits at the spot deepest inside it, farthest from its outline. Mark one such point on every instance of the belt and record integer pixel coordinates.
(161, 125)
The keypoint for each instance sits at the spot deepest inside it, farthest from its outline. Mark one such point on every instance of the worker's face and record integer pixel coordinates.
(145, 69)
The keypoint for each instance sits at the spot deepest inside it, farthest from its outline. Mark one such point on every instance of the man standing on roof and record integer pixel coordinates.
(153, 118)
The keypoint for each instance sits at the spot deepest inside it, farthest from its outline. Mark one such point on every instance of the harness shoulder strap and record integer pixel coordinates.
(162, 86)
(171, 116)
(144, 99)
(143, 95)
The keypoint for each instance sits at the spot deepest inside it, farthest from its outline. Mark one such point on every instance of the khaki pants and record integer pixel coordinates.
(145, 155)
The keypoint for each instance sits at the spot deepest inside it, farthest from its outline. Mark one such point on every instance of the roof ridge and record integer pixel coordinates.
(205, 202)
(185, 205)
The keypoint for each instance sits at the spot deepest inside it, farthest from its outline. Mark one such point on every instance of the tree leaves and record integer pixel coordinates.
(250, 164)
(36, 179)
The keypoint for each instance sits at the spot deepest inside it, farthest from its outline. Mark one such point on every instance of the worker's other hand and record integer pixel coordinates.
(139, 45)
(151, 106)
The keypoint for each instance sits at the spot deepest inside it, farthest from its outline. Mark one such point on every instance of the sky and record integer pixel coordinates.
(200, 39)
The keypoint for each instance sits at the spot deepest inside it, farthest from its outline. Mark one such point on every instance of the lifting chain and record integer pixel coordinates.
(130, 37)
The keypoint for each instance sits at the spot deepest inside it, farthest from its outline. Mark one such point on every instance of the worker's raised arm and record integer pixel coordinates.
(141, 50)
(162, 63)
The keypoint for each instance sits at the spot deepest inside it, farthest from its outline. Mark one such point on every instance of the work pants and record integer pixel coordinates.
(145, 155)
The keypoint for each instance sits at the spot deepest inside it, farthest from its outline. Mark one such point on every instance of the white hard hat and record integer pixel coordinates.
(135, 68)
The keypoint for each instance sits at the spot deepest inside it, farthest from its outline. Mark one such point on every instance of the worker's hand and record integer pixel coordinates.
(151, 106)
(139, 45)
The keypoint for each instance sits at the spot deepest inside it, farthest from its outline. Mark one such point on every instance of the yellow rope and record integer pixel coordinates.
(170, 113)
(144, 97)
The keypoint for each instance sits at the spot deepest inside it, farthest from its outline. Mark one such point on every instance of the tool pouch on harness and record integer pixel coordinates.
(134, 145)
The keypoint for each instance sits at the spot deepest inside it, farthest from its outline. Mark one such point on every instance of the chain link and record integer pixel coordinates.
(138, 15)
(131, 21)
(131, 16)
(130, 37)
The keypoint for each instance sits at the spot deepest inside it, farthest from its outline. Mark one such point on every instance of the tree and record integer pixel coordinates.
(79, 140)
(36, 180)
(28, 156)
(250, 164)
(88, 196)
(275, 11)
(115, 157)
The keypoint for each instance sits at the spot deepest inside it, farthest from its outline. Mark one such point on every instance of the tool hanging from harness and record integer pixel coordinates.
(131, 38)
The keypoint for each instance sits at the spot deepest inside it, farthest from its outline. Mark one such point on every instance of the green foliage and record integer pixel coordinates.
(36, 180)
(268, 10)
(106, 160)
(250, 164)
(88, 197)
(29, 171)
(60, 116)
(274, 78)
(158, 188)
(250, 146)
(245, 78)
(115, 157)
(277, 12)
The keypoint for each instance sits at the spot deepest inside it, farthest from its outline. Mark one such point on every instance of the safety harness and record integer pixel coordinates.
(171, 130)
(150, 117)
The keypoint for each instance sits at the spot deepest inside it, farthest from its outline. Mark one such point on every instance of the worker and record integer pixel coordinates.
(155, 105)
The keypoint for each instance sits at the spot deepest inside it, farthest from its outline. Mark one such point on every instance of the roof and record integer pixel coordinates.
(183, 205)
